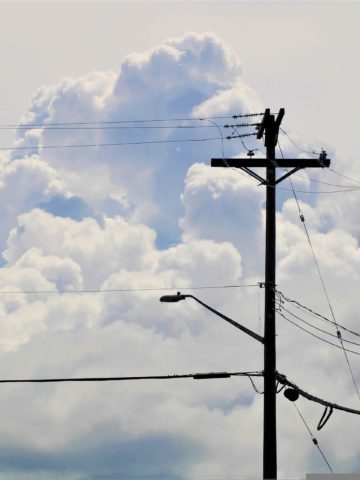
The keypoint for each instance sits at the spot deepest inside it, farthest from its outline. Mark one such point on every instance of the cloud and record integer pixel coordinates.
(175, 80)
(223, 205)
(131, 221)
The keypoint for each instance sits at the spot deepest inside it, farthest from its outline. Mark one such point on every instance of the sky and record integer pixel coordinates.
(92, 236)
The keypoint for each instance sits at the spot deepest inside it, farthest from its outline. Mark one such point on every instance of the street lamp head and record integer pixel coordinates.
(172, 298)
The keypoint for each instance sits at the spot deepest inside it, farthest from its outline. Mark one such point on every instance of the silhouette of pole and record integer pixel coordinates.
(271, 128)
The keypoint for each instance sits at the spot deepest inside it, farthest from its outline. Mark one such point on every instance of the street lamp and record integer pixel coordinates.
(179, 296)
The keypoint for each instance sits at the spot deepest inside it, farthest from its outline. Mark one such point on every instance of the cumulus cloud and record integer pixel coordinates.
(177, 79)
(129, 222)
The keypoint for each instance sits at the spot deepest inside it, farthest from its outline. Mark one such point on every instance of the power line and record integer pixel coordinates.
(117, 144)
(313, 439)
(314, 326)
(308, 310)
(345, 190)
(127, 127)
(316, 153)
(317, 336)
(313, 180)
(123, 290)
(114, 122)
(297, 146)
(338, 333)
(285, 381)
(345, 176)
(195, 376)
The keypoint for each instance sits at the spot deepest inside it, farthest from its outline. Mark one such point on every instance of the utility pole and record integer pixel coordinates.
(269, 128)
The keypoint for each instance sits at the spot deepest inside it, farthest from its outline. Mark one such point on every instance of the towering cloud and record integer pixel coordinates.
(132, 220)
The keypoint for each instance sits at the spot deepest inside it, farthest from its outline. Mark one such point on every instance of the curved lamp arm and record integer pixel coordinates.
(179, 296)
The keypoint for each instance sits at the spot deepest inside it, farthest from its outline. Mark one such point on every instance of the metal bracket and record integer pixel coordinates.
(287, 174)
(254, 175)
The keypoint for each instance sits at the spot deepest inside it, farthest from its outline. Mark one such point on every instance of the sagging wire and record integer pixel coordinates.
(221, 136)
(345, 176)
(292, 386)
(281, 307)
(114, 122)
(297, 146)
(254, 386)
(314, 335)
(282, 298)
(338, 333)
(325, 417)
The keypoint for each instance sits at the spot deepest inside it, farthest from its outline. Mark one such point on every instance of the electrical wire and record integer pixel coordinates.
(122, 290)
(281, 378)
(313, 180)
(117, 144)
(128, 127)
(313, 326)
(345, 190)
(313, 439)
(345, 176)
(317, 336)
(114, 122)
(302, 218)
(315, 153)
(254, 386)
(297, 146)
(114, 127)
(308, 310)
(195, 376)
(214, 124)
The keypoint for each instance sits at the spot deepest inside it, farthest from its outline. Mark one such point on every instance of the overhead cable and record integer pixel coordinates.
(114, 122)
(297, 146)
(312, 312)
(123, 290)
(285, 381)
(345, 176)
(115, 144)
(195, 376)
(313, 439)
(314, 326)
(317, 336)
(125, 127)
(119, 144)
(338, 333)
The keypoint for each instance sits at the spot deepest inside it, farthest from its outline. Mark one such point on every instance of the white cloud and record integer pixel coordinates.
(94, 219)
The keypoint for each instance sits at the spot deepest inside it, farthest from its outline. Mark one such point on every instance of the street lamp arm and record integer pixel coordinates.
(252, 334)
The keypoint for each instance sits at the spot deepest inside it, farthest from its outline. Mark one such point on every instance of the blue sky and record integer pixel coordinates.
(139, 217)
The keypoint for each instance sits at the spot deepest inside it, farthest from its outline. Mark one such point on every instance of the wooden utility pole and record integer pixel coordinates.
(269, 128)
